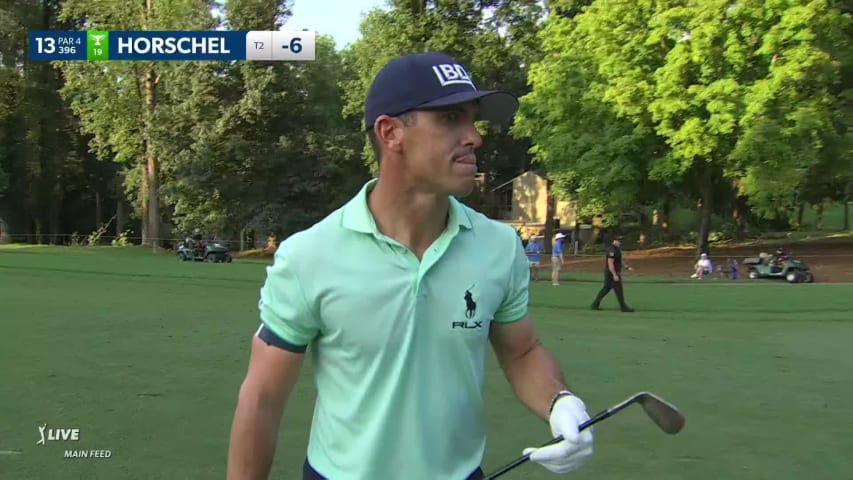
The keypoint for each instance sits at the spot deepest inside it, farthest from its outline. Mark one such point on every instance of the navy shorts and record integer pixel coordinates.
(308, 473)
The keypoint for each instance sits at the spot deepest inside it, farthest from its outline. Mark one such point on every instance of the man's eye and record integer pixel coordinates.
(451, 116)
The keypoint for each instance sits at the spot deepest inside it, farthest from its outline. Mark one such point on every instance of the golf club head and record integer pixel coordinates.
(664, 414)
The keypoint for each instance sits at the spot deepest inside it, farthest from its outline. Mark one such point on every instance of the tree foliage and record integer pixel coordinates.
(741, 110)
(696, 98)
(495, 39)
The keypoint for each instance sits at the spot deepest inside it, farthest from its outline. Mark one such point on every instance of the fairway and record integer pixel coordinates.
(145, 354)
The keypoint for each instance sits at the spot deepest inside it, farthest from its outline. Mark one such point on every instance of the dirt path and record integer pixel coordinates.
(830, 261)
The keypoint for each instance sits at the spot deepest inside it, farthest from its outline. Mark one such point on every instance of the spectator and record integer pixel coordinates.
(779, 257)
(534, 255)
(702, 267)
(732, 268)
(557, 258)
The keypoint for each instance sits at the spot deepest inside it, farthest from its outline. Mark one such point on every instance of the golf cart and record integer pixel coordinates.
(196, 249)
(776, 266)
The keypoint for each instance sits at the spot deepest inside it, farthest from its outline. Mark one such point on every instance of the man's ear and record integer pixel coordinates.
(389, 133)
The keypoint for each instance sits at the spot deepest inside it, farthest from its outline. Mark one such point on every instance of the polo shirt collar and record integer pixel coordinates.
(357, 216)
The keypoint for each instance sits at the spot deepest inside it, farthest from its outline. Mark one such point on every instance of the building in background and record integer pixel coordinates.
(523, 203)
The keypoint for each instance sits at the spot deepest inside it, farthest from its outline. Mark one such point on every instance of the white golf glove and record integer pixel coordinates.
(575, 449)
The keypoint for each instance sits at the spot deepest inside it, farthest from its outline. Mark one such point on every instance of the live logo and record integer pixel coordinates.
(72, 434)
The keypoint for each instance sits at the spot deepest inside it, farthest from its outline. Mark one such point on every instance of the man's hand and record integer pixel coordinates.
(575, 449)
(615, 277)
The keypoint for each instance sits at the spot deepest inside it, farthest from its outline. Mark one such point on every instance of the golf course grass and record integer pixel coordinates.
(145, 354)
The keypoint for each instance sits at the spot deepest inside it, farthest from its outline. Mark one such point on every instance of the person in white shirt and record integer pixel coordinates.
(703, 267)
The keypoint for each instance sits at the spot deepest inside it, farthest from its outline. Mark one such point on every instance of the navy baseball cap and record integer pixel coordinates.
(431, 80)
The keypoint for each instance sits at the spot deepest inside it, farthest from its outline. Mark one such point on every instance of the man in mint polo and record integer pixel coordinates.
(399, 320)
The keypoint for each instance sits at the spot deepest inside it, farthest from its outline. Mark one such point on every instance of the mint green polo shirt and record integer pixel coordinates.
(398, 344)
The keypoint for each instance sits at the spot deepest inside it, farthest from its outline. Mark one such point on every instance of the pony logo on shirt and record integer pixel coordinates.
(470, 304)
(470, 311)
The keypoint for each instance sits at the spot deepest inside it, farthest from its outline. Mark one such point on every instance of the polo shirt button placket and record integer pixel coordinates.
(416, 286)
(418, 293)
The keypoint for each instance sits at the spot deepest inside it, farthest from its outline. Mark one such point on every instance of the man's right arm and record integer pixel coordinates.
(290, 324)
(270, 378)
(611, 264)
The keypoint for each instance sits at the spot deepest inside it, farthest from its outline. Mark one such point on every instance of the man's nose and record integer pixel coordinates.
(472, 137)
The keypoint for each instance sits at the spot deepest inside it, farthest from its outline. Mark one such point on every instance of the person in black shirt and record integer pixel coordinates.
(613, 276)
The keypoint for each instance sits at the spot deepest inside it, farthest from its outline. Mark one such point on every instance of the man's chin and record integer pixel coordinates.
(463, 189)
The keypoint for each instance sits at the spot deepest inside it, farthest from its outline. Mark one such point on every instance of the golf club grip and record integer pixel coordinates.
(583, 426)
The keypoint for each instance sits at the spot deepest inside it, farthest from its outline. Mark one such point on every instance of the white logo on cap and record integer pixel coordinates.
(452, 73)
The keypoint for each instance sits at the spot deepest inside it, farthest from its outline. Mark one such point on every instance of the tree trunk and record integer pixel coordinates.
(152, 170)
(550, 210)
(37, 223)
(737, 221)
(54, 213)
(664, 222)
(738, 209)
(152, 196)
(820, 216)
(705, 204)
(98, 215)
(576, 230)
(143, 203)
(120, 217)
(53, 187)
(26, 220)
(150, 193)
(800, 210)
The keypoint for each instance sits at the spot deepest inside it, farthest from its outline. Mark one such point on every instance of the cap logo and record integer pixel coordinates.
(451, 74)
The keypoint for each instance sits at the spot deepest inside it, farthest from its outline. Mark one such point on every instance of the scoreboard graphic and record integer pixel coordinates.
(101, 45)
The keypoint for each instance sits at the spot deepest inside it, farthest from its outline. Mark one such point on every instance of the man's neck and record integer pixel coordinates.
(413, 218)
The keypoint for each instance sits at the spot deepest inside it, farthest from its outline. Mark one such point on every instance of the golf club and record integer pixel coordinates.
(664, 414)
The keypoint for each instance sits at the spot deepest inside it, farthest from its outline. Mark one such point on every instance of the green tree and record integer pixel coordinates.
(495, 39)
(39, 159)
(687, 94)
(794, 144)
(265, 148)
(595, 147)
(121, 103)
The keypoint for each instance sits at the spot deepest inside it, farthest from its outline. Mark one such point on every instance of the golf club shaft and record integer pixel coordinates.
(583, 426)
(597, 418)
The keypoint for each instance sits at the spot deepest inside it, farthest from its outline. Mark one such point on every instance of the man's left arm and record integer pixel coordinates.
(531, 370)
(536, 377)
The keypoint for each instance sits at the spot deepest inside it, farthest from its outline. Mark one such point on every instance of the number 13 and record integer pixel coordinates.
(48, 46)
